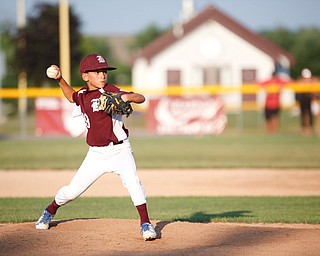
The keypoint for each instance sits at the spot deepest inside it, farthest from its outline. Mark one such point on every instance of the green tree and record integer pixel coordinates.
(302, 44)
(145, 37)
(281, 37)
(307, 51)
(37, 44)
(7, 47)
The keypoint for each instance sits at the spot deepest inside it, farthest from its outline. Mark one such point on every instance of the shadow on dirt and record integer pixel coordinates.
(160, 226)
(201, 217)
(55, 223)
(207, 217)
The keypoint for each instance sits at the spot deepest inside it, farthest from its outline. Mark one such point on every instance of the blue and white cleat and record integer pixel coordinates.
(148, 232)
(44, 220)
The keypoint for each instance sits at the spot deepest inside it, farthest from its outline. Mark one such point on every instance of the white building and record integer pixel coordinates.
(209, 48)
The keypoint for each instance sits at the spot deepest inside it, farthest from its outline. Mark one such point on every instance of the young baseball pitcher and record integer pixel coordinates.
(102, 106)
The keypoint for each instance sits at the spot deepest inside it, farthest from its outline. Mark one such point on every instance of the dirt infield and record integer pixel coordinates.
(170, 183)
(121, 237)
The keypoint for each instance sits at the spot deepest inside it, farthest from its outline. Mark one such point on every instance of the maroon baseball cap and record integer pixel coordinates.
(94, 62)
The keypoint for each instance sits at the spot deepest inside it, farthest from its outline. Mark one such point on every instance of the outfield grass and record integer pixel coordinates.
(244, 144)
(226, 151)
(192, 209)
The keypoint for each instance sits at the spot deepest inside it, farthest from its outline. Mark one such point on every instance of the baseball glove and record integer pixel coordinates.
(112, 103)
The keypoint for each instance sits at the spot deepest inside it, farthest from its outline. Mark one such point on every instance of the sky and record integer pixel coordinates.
(128, 17)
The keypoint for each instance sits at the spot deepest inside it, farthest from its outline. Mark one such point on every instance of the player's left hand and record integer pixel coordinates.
(112, 103)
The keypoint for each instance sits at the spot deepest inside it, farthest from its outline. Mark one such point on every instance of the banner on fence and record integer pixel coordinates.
(56, 116)
(186, 115)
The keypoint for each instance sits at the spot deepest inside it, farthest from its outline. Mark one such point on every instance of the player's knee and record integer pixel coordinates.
(65, 195)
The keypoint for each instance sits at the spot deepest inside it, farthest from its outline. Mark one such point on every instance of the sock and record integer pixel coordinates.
(143, 213)
(53, 207)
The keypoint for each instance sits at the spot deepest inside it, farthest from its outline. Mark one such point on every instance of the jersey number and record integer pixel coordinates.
(86, 120)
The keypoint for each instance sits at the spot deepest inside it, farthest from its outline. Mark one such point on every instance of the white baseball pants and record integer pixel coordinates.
(116, 159)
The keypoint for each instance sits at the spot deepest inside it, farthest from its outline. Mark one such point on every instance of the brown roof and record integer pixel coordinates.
(212, 13)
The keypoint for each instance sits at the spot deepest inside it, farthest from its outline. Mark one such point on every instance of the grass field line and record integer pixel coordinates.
(173, 182)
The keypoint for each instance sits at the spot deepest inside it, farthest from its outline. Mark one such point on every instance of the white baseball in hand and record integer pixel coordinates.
(52, 72)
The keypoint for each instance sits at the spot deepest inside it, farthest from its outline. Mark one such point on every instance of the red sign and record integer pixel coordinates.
(186, 115)
(55, 116)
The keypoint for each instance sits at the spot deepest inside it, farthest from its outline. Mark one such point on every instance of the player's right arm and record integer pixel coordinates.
(65, 87)
(67, 90)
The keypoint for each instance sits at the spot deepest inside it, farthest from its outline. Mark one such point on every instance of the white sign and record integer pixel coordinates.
(185, 115)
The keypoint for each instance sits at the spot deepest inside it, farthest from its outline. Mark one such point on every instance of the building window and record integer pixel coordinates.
(249, 77)
(173, 77)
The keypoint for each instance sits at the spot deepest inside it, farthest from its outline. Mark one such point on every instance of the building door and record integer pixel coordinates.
(211, 76)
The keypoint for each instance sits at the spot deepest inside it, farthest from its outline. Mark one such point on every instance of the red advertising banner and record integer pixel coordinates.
(56, 116)
(186, 115)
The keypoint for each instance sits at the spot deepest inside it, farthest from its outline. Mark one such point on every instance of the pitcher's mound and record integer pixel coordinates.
(122, 237)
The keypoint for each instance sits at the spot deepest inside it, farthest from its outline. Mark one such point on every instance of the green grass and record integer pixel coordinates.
(244, 144)
(191, 209)
(226, 151)
(54, 153)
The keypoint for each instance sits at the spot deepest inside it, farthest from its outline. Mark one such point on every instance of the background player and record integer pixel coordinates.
(107, 137)
(272, 105)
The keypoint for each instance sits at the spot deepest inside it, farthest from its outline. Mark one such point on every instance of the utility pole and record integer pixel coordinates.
(2, 72)
(64, 36)
(22, 77)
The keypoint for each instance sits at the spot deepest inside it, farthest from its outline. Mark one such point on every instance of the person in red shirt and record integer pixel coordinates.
(109, 147)
(272, 102)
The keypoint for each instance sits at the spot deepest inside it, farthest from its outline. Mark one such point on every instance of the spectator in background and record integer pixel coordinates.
(304, 100)
(272, 102)
(315, 108)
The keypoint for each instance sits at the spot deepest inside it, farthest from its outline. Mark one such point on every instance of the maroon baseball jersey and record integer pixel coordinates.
(102, 128)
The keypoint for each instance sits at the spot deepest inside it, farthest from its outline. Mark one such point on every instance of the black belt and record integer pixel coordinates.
(117, 143)
(112, 143)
